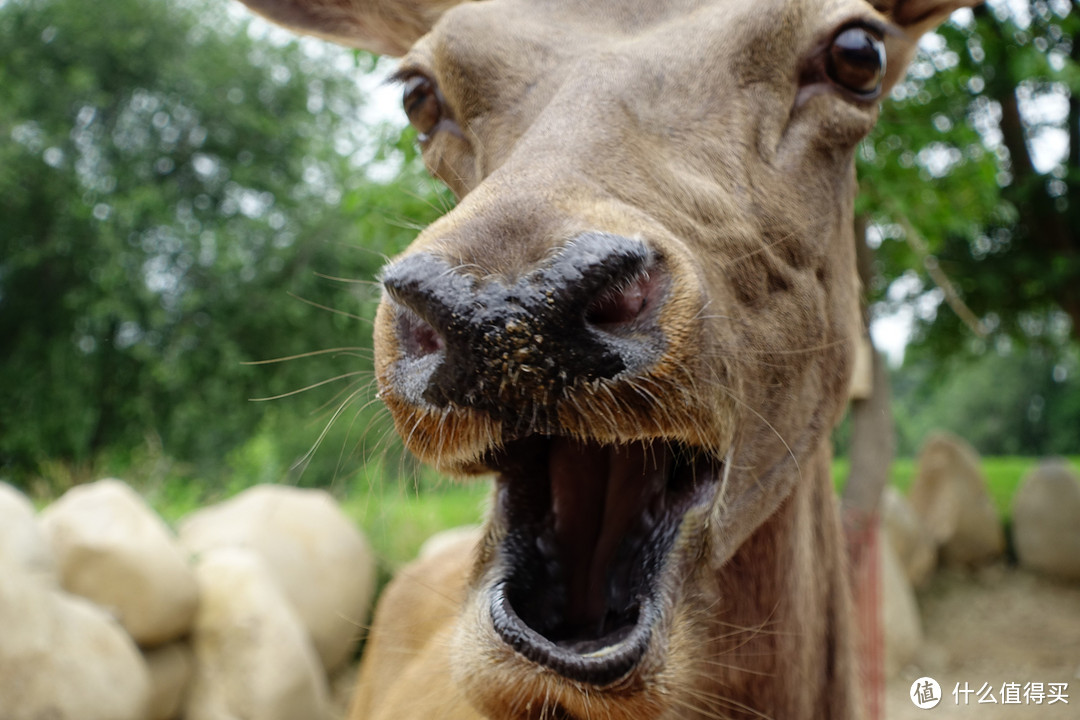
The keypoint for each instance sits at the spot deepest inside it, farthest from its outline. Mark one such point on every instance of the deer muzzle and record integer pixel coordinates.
(514, 348)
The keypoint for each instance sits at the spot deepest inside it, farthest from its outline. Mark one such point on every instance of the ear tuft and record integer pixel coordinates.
(921, 16)
(915, 17)
(385, 27)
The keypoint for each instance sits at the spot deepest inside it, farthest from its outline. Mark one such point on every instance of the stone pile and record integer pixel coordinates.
(108, 615)
(950, 519)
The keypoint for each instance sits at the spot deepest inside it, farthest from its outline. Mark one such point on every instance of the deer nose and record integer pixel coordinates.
(589, 313)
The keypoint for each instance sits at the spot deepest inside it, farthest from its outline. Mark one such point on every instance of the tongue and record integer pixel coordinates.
(598, 494)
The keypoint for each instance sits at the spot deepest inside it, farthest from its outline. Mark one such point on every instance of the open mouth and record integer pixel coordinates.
(590, 529)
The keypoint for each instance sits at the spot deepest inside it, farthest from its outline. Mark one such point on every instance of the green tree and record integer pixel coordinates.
(1009, 403)
(964, 154)
(169, 183)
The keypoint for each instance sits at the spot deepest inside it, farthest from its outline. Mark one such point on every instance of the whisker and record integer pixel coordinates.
(768, 424)
(329, 309)
(290, 393)
(306, 458)
(356, 349)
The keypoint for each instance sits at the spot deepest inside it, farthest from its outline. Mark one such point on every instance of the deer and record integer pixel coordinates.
(640, 318)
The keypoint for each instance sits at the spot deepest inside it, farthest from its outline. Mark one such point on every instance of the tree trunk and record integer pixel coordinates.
(871, 455)
(872, 441)
(872, 446)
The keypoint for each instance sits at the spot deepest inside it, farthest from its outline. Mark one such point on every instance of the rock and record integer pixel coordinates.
(253, 657)
(915, 550)
(113, 549)
(21, 540)
(64, 658)
(900, 620)
(318, 556)
(171, 667)
(343, 688)
(950, 497)
(1046, 520)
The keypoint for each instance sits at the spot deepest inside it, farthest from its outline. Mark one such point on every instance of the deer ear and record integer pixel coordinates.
(920, 16)
(914, 17)
(386, 27)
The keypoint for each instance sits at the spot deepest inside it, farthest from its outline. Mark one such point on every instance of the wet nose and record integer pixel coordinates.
(589, 313)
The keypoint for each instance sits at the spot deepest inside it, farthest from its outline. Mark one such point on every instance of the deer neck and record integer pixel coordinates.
(783, 644)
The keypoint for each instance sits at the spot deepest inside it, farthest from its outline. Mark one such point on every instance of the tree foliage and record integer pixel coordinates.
(170, 183)
(1009, 403)
(979, 150)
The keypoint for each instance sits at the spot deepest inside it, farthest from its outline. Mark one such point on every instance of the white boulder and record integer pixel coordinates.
(1046, 521)
(915, 549)
(253, 657)
(900, 621)
(113, 549)
(21, 540)
(64, 658)
(318, 556)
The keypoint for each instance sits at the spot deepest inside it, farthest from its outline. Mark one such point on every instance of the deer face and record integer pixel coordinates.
(639, 318)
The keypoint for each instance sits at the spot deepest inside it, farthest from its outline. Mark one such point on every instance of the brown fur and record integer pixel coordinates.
(682, 123)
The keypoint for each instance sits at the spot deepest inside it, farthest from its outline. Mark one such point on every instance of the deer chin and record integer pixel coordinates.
(585, 564)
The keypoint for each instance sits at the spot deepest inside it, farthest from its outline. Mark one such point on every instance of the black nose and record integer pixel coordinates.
(511, 347)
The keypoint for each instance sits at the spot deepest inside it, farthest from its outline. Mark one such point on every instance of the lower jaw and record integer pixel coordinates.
(606, 662)
(525, 608)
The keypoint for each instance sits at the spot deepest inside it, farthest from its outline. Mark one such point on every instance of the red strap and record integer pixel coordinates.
(862, 535)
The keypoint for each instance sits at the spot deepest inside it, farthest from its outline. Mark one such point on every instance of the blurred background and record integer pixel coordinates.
(188, 193)
(193, 206)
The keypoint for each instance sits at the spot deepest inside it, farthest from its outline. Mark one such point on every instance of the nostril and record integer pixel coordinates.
(418, 337)
(624, 304)
(425, 294)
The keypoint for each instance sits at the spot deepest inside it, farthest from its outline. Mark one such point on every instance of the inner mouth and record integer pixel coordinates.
(590, 528)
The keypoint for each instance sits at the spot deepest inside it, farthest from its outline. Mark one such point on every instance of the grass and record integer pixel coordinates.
(1003, 476)
(399, 515)
(398, 520)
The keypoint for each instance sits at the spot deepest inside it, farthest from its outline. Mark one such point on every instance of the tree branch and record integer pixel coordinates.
(1074, 119)
(933, 268)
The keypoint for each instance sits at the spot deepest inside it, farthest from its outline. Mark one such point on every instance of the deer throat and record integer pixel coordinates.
(591, 528)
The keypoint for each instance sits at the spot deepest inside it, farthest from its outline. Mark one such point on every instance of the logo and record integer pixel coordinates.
(925, 693)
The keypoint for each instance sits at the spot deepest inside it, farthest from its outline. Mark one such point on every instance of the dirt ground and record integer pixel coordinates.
(996, 625)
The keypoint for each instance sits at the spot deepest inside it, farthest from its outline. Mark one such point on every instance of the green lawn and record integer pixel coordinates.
(398, 520)
(1003, 475)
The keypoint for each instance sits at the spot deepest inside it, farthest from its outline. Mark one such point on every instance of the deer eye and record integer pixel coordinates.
(856, 61)
(423, 104)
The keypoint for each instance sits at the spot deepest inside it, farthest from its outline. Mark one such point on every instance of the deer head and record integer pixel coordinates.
(640, 316)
